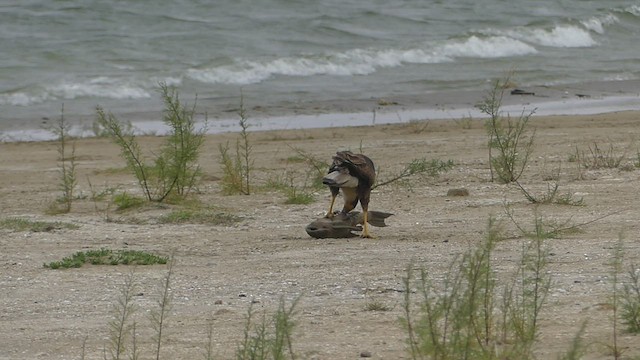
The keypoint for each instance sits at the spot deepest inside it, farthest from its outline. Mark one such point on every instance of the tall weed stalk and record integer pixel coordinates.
(120, 330)
(66, 164)
(510, 138)
(159, 315)
(237, 168)
(630, 301)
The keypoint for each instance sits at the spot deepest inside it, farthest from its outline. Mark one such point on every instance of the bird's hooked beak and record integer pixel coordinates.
(340, 179)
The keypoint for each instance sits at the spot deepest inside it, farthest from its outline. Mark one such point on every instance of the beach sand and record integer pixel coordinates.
(221, 270)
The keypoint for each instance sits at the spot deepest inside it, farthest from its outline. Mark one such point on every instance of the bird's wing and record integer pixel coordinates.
(359, 166)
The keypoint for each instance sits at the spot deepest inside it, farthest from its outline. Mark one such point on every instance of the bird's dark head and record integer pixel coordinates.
(340, 177)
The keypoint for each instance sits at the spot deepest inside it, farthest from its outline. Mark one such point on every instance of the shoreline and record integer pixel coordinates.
(575, 99)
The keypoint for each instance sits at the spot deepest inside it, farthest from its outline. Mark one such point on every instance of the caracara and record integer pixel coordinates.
(355, 175)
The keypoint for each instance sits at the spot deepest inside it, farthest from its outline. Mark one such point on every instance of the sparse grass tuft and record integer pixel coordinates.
(269, 339)
(317, 168)
(19, 224)
(551, 196)
(107, 257)
(465, 122)
(577, 349)
(597, 158)
(199, 216)
(298, 197)
(296, 191)
(125, 201)
(376, 305)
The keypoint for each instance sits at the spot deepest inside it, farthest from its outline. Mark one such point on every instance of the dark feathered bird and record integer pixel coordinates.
(355, 175)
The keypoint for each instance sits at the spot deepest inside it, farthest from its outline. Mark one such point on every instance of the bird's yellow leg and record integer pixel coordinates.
(330, 213)
(365, 230)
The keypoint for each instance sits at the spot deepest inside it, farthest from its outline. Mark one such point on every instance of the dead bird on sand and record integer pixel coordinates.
(342, 225)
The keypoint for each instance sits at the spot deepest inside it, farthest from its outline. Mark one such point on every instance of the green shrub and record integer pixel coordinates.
(174, 171)
(462, 317)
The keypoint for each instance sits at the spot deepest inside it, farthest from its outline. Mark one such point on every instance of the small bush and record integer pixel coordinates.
(510, 137)
(175, 170)
(466, 318)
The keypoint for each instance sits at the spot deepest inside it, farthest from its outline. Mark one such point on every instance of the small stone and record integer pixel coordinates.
(218, 302)
(365, 354)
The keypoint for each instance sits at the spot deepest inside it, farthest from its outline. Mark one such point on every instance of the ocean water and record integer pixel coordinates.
(292, 53)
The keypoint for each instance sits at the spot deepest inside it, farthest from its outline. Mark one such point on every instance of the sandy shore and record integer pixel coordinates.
(220, 270)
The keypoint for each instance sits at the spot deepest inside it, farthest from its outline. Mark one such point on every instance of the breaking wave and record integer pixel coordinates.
(359, 61)
(99, 87)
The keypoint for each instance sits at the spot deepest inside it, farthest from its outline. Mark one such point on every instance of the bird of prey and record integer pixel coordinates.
(355, 175)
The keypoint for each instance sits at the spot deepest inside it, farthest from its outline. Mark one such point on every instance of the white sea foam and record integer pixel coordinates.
(102, 87)
(349, 63)
(98, 87)
(22, 99)
(491, 47)
(598, 23)
(633, 9)
(561, 36)
(359, 61)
